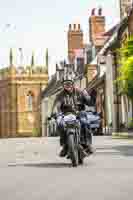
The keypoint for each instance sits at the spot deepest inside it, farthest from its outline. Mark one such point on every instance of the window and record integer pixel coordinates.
(30, 101)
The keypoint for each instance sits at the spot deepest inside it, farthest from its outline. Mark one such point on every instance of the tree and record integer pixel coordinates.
(125, 77)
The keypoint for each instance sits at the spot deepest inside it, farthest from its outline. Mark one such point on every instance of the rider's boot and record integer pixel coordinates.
(89, 149)
(83, 152)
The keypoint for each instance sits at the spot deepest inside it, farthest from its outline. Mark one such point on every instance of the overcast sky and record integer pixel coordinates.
(41, 24)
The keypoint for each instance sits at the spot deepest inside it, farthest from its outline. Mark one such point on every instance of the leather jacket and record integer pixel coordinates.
(74, 98)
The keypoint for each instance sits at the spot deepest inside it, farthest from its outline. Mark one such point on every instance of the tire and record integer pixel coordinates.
(81, 160)
(73, 150)
(91, 134)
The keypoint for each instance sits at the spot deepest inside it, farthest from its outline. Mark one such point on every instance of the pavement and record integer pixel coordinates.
(31, 169)
(122, 135)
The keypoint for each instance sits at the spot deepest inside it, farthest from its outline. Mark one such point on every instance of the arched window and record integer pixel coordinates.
(30, 101)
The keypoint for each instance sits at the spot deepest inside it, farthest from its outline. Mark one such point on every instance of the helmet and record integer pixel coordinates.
(67, 81)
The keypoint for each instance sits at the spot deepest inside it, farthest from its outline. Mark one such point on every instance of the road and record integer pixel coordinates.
(31, 169)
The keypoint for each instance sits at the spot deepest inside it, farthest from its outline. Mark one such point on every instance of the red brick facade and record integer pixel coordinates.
(75, 40)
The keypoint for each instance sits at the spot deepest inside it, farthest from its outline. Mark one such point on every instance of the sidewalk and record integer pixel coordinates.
(122, 135)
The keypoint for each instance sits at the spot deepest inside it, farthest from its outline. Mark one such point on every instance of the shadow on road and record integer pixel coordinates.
(125, 150)
(48, 165)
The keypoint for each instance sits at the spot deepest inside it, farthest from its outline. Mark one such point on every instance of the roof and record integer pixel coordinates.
(114, 38)
(114, 31)
(111, 30)
(50, 86)
(111, 37)
(96, 82)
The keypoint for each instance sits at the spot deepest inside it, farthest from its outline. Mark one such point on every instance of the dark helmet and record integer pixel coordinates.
(68, 78)
(68, 82)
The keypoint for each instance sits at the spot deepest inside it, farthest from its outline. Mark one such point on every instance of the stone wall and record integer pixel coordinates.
(16, 119)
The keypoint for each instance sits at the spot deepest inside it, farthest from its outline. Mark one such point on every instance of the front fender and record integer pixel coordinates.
(70, 131)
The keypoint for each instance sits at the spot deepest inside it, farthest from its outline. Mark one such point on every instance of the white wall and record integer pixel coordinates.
(111, 118)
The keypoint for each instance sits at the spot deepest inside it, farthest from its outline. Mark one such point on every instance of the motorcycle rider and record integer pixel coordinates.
(67, 101)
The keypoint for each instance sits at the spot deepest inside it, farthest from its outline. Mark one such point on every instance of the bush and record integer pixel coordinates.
(130, 123)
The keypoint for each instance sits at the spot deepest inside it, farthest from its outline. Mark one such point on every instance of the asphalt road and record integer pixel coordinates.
(31, 169)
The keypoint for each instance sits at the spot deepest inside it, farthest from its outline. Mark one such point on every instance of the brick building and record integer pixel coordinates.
(20, 91)
(97, 29)
(75, 41)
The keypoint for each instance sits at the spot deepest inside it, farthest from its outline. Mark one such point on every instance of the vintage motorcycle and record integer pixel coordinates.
(72, 129)
(72, 133)
(72, 123)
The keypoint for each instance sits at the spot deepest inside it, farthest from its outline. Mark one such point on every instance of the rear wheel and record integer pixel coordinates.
(73, 150)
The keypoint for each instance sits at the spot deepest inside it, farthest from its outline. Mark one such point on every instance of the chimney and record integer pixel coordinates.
(74, 26)
(96, 26)
(75, 41)
(100, 11)
(79, 27)
(93, 12)
(70, 27)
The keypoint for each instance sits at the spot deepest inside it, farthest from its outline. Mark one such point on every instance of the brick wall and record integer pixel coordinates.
(75, 40)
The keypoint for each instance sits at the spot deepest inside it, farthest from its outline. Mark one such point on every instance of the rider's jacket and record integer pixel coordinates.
(74, 98)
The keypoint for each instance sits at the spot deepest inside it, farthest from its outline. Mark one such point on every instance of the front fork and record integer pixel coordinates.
(86, 135)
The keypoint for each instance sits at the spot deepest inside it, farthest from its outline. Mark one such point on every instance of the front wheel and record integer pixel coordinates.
(73, 150)
(81, 159)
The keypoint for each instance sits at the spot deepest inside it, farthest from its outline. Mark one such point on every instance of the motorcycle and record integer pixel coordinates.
(71, 125)
(72, 131)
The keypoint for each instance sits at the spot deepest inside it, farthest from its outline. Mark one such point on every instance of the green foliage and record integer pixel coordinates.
(36, 132)
(125, 78)
(130, 124)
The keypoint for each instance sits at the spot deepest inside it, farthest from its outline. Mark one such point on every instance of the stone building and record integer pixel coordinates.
(20, 92)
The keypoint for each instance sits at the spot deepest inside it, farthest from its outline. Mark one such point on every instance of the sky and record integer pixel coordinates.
(35, 25)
